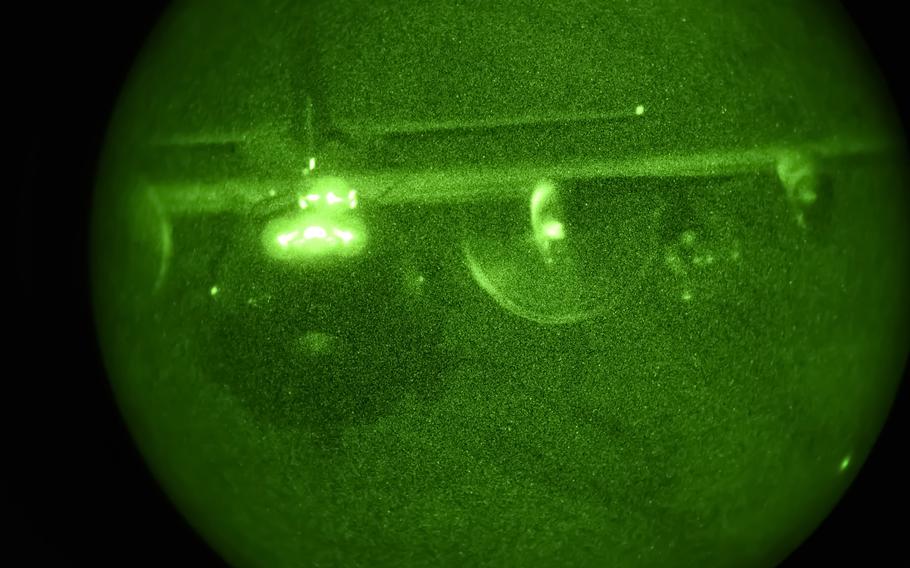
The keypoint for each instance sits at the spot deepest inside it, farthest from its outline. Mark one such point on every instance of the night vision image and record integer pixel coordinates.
(515, 283)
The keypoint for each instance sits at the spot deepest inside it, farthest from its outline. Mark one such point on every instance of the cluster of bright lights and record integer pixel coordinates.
(324, 225)
(301, 237)
(329, 199)
(309, 235)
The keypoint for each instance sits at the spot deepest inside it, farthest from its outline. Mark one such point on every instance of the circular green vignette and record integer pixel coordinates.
(499, 284)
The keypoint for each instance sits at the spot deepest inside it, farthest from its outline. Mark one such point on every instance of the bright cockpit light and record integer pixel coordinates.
(324, 226)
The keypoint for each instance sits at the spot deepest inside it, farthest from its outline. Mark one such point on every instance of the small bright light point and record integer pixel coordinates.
(214, 290)
(806, 195)
(332, 198)
(302, 203)
(352, 199)
(845, 463)
(345, 236)
(554, 230)
(286, 238)
(686, 296)
(314, 232)
(313, 197)
(312, 164)
(640, 110)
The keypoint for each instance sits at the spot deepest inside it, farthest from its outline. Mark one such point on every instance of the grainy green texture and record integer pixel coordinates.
(599, 283)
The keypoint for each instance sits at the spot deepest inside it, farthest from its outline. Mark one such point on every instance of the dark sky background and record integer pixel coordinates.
(79, 489)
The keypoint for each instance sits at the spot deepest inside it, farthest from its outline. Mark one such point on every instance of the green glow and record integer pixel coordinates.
(545, 211)
(325, 227)
(687, 238)
(328, 193)
(675, 263)
(703, 260)
(345, 236)
(573, 277)
(318, 343)
(845, 463)
(165, 243)
(309, 236)
(541, 193)
(554, 230)
(314, 233)
(800, 177)
(539, 293)
(285, 239)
